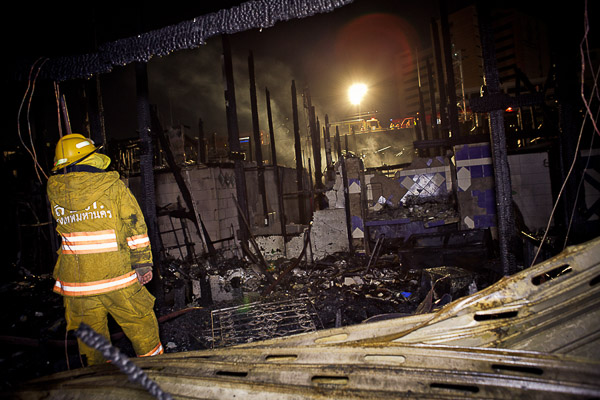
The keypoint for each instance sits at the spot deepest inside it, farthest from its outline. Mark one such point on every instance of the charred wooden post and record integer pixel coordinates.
(257, 141)
(440, 78)
(234, 138)
(452, 107)
(148, 200)
(65, 115)
(315, 138)
(504, 204)
(347, 204)
(298, 148)
(346, 141)
(201, 143)
(282, 219)
(328, 157)
(338, 143)
(422, 117)
(214, 143)
(96, 112)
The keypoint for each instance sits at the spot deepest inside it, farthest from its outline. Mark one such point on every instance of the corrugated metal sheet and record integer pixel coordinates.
(531, 335)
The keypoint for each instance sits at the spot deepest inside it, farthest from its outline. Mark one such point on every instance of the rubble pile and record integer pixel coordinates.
(223, 302)
(416, 209)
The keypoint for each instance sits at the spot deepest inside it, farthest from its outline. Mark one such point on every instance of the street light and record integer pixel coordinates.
(357, 92)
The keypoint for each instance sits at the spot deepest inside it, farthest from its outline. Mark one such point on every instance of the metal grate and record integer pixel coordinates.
(260, 321)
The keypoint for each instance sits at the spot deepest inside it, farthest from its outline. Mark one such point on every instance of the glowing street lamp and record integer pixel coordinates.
(357, 92)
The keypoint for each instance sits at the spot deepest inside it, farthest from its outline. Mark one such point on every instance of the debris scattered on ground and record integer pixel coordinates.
(338, 290)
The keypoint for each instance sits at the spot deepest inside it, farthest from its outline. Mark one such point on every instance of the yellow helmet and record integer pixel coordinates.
(71, 149)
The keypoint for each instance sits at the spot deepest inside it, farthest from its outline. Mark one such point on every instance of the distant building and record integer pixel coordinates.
(520, 44)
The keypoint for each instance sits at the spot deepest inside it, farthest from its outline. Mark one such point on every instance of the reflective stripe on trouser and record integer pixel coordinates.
(131, 308)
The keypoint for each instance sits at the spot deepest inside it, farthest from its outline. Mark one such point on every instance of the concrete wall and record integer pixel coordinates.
(532, 192)
(213, 190)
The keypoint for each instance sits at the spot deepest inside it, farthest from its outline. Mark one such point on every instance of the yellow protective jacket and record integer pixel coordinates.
(103, 233)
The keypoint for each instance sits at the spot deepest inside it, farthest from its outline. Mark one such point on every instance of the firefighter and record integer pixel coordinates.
(104, 258)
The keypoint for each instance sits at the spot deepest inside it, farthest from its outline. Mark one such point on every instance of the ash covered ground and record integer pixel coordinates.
(337, 291)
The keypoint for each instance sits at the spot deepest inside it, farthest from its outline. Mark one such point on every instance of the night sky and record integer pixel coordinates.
(324, 53)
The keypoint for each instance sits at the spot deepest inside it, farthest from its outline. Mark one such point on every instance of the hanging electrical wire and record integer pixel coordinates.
(28, 96)
(584, 49)
(588, 111)
(583, 54)
(591, 146)
(57, 96)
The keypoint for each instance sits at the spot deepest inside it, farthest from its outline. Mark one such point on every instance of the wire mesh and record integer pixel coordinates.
(260, 321)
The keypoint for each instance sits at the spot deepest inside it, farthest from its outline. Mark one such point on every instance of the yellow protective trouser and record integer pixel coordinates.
(132, 309)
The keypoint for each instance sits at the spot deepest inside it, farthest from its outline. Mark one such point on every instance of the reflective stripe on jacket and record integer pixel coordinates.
(97, 287)
(137, 242)
(89, 242)
(102, 229)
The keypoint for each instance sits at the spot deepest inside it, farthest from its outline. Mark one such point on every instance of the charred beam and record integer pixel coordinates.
(234, 138)
(257, 140)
